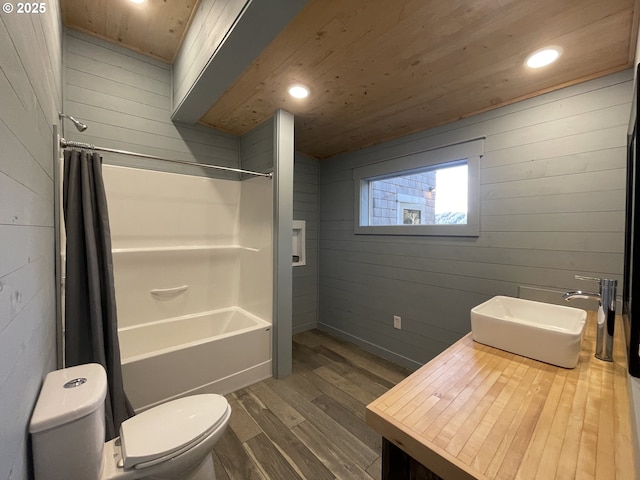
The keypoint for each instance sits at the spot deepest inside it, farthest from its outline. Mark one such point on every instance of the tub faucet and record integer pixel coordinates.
(606, 313)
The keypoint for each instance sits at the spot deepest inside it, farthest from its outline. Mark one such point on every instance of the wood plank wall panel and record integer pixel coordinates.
(209, 26)
(305, 278)
(552, 205)
(30, 97)
(125, 99)
(257, 148)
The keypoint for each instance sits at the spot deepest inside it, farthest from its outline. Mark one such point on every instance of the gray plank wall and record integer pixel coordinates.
(305, 278)
(125, 99)
(552, 205)
(210, 24)
(30, 97)
(257, 148)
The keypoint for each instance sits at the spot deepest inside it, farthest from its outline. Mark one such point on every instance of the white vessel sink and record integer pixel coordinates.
(542, 331)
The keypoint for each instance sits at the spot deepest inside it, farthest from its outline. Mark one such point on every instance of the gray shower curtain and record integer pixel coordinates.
(91, 329)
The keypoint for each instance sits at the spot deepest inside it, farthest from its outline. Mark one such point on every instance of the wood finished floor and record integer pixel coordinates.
(309, 425)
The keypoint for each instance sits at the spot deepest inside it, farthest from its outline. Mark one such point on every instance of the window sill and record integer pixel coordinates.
(420, 230)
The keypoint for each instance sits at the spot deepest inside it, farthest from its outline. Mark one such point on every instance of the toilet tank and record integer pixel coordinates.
(67, 426)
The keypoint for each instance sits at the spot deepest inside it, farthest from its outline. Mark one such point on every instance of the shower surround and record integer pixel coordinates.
(193, 267)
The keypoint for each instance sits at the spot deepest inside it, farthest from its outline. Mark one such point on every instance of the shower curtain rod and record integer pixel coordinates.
(70, 144)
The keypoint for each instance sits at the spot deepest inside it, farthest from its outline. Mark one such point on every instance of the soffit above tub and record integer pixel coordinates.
(154, 27)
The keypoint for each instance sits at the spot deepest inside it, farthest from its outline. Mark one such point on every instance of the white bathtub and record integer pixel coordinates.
(218, 351)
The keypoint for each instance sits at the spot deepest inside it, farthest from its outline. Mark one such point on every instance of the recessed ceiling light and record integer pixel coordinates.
(136, 1)
(298, 91)
(543, 57)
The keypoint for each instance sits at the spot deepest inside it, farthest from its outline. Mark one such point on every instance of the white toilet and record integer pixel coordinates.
(172, 441)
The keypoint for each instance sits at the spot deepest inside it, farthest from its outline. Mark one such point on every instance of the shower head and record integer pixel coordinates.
(78, 124)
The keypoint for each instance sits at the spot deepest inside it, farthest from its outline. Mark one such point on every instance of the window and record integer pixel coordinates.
(428, 193)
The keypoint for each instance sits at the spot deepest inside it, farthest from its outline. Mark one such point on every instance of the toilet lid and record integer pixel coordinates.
(170, 428)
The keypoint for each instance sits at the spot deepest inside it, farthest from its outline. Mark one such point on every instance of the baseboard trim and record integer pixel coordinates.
(304, 327)
(371, 347)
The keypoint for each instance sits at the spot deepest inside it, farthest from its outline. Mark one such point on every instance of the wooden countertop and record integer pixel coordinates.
(476, 412)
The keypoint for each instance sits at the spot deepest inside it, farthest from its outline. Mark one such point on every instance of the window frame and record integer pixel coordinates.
(470, 151)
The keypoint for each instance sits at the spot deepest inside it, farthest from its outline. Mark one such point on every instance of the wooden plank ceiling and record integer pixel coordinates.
(381, 69)
(155, 27)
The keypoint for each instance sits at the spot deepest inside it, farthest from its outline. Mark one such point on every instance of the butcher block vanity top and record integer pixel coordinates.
(476, 412)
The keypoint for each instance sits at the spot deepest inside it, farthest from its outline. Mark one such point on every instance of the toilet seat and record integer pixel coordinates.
(170, 429)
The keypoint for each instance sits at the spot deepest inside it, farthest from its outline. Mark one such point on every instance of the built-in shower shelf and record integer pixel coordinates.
(182, 248)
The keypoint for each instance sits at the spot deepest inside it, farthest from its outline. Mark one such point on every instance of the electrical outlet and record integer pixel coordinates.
(397, 322)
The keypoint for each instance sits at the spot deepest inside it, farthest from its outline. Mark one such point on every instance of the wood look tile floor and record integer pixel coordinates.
(309, 425)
